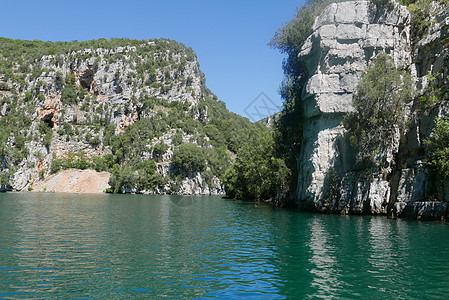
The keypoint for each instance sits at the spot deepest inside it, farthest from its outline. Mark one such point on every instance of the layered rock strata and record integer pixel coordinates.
(345, 37)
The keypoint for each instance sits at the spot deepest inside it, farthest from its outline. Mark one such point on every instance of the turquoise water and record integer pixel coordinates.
(135, 246)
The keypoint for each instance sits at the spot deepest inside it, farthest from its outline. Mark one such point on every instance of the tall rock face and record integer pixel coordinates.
(345, 37)
(124, 106)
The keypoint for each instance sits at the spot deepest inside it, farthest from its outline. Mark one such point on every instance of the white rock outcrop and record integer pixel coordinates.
(345, 37)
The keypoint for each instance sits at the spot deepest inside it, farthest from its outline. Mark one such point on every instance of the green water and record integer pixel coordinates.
(135, 246)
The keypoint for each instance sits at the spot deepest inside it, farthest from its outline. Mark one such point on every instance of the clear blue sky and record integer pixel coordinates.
(229, 37)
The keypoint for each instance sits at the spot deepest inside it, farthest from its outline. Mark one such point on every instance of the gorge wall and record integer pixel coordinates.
(128, 107)
(345, 37)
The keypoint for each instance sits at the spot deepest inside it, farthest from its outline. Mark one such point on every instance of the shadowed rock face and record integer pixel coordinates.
(345, 37)
(4, 86)
(49, 111)
(87, 78)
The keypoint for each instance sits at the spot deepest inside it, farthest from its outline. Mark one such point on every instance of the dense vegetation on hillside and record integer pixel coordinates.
(206, 151)
(139, 104)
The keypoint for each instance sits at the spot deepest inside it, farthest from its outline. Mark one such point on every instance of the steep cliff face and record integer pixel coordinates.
(114, 105)
(346, 36)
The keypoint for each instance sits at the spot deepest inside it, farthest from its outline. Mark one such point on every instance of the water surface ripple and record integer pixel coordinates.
(135, 246)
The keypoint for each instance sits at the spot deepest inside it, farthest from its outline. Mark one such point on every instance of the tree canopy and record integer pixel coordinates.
(257, 173)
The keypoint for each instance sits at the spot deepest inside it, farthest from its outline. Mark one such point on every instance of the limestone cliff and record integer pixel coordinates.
(345, 37)
(123, 106)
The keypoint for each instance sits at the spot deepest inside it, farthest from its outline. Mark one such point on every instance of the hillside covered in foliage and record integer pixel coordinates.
(137, 109)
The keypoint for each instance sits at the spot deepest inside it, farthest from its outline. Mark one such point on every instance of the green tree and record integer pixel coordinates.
(379, 103)
(188, 159)
(437, 150)
(69, 95)
(257, 174)
(4, 179)
(159, 149)
(148, 179)
(122, 180)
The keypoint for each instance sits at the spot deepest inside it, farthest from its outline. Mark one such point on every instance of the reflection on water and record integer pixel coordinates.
(382, 254)
(131, 246)
(322, 260)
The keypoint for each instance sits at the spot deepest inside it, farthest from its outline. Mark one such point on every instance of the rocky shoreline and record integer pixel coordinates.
(90, 181)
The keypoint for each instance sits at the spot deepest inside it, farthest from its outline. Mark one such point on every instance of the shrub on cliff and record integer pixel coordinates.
(46, 132)
(423, 14)
(290, 38)
(69, 95)
(434, 92)
(438, 150)
(188, 159)
(383, 4)
(379, 103)
(159, 149)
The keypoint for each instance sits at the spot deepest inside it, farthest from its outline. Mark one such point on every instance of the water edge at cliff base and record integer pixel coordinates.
(135, 246)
